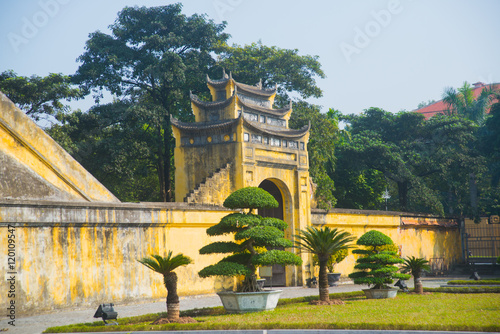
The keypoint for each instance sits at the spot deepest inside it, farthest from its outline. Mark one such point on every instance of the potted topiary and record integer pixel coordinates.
(376, 267)
(254, 238)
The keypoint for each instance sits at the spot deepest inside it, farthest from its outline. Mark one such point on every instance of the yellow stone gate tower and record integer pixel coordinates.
(238, 140)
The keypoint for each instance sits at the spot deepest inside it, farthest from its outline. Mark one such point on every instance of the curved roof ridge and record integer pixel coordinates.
(200, 126)
(210, 104)
(275, 112)
(285, 133)
(256, 90)
(219, 82)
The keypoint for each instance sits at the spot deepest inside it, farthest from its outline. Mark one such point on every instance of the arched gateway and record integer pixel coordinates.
(239, 140)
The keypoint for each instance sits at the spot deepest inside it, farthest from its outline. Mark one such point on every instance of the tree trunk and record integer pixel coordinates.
(161, 169)
(450, 201)
(324, 290)
(419, 288)
(403, 195)
(167, 141)
(473, 193)
(170, 281)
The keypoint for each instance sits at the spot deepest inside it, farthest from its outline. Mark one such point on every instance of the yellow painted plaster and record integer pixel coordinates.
(24, 141)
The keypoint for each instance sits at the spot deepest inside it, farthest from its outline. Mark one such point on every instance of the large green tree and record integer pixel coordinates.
(39, 96)
(114, 142)
(154, 55)
(409, 151)
(490, 148)
(323, 134)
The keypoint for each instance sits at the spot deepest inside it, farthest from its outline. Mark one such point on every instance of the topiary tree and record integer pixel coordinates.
(254, 238)
(376, 267)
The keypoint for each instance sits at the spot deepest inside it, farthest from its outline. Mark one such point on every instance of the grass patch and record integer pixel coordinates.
(437, 311)
(465, 289)
(473, 282)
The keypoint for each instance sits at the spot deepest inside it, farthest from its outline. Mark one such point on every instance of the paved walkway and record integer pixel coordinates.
(38, 323)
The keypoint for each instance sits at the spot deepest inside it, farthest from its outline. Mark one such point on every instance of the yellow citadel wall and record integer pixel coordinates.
(420, 236)
(70, 255)
(75, 255)
(34, 166)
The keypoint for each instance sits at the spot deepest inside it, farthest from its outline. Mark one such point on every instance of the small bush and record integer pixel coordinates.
(471, 282)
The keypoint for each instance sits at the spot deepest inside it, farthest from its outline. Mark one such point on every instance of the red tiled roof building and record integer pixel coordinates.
(441, 107)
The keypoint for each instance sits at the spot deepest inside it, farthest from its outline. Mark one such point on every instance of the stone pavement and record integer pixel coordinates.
(36, 324)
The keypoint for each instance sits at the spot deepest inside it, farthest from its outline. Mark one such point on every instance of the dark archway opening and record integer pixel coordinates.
(278, 271)
(271, 188)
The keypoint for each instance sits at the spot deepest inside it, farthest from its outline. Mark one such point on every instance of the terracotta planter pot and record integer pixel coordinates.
(243, 302)
(380, 293)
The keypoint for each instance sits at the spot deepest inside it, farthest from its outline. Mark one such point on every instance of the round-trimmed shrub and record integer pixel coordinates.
(376, 267)
(251, 198)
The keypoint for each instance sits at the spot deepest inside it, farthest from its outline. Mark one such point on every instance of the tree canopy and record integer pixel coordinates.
(39, 96)
(154, 55)
(408, 151)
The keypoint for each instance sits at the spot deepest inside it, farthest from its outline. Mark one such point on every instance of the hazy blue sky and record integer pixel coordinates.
(388, 54)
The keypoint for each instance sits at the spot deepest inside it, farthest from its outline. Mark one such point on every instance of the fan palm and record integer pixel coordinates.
(166, 266)
(415, 266)
(323, 243)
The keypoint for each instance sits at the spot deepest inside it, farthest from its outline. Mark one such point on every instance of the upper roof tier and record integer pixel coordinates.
(227, 80)
(230, 98)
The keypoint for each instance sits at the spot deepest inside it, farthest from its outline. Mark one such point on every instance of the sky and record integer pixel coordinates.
(381, 53)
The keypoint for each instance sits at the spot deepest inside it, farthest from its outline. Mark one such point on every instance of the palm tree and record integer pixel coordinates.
(463, 102)
(415, 266)
(166, 266)
(323, 243)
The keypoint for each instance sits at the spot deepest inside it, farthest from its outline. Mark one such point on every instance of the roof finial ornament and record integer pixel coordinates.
(224, 75)
(259, 84)
(230, 75)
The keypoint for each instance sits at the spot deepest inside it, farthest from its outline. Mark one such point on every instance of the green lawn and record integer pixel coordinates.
(436, 311)
(495, 281)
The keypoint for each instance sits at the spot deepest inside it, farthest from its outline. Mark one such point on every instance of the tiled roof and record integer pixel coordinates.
(201, 127)
(275, 112)
(249, 89)
(210, 104)
(440, 107)
(428, 222)
(282, 132)
(219, 83)
(256, 90)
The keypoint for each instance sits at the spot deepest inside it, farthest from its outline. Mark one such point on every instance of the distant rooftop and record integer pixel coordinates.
(440, 107)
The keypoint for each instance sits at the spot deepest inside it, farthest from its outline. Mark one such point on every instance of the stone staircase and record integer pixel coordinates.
(214, 189)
